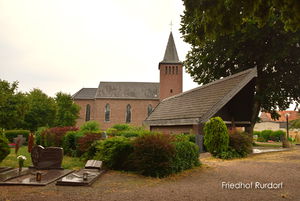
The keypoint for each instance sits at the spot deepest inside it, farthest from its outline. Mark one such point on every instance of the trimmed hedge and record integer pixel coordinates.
(114, 152)
(11, 134)
(186, 156)
(4, 148)
(127, 131)
(266, 135)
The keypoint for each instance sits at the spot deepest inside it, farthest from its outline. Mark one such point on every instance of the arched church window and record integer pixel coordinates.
(107, 112)
(173, 69)
(166, 70)
(170, 70)
(87, 112)
(128, 114)
(150, 109)
(176, 69)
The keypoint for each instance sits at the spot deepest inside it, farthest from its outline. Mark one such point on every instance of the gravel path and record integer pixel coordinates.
(202, 183)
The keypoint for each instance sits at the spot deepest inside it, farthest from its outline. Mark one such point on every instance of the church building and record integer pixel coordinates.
(131, 102)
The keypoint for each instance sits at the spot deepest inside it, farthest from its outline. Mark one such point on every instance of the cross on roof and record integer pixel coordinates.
(171, 24)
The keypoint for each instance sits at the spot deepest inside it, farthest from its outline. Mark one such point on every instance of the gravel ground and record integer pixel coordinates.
(202, 183)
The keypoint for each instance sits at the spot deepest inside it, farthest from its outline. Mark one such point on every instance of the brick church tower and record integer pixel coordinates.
(170, 71)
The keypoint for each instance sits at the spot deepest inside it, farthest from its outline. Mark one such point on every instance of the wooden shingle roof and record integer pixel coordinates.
(199, 104)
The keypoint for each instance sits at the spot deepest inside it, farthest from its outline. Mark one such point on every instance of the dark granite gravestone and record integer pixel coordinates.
(20, 139)
(46, 158)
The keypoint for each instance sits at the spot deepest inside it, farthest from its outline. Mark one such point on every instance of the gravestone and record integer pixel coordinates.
(20, 139)
(84, 177)
(47, 158)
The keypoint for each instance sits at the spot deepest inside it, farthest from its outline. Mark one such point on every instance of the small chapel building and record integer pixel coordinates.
(131, 102)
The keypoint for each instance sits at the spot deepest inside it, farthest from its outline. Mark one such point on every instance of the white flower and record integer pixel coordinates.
(21, 157)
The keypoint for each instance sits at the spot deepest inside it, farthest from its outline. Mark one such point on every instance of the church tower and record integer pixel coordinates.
(170, 71)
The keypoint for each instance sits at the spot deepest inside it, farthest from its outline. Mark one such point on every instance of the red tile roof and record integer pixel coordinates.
(267, 116)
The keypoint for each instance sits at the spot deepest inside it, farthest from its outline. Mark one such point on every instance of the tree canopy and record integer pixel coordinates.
(273, 51)
(34, 109)
(208, 18)
(67, 111)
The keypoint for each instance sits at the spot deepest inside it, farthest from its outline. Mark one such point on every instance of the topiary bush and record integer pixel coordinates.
(153, 155)
(186, 156)
(11, 134)
(114, 152)
(241, 143)
(4, 148)
(216, 138)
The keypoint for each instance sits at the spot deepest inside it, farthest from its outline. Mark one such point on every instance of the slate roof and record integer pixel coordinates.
(266, 117)
(199, 104)
(85, 93)
(120, 90)
(128, 90)
(171, 55)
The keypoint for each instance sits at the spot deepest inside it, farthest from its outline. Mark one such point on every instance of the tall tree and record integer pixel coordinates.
(13, 105)
(42, 110)
(67, 110)
(275, 53)
(209, 18)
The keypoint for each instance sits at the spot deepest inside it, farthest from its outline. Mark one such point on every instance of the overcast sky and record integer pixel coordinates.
(62, 45)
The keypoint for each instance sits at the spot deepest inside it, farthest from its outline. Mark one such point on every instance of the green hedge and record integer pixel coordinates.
(4, 148)
(114, 152)
(11, 134)
(266, 135)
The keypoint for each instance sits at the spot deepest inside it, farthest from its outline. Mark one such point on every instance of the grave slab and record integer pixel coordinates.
(28, 177)
(77, 178)
(3, 169)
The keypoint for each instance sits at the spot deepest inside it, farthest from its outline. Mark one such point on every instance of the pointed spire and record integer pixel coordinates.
(171, 55)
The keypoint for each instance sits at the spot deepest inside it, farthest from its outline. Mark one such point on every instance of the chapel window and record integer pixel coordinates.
(176, 69)
(150, 109)
(170, 70)
(128, 114)
(173, 70)
(87, 112)
(107, 112)
(166, 70)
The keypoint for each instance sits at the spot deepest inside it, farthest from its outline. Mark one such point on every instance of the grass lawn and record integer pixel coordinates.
(11, 160)
(268, 144)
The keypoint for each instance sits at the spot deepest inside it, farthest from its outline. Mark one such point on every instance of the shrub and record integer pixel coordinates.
(153, 155)
(92, 150)
(276, 135)
(186, 156)
(121, 127)
(54, 136)
(39, 138)
(241, 143)
(216, 138)
(114, 152)
(90, 126)
(85, 141)
(229, 154)
(69, 142)
(4, 148)
(11, 134)
(265, 134)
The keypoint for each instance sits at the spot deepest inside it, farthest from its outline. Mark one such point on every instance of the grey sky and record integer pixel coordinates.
(63, 45)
